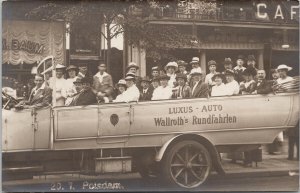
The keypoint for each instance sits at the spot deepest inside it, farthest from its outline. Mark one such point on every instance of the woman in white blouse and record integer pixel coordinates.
(219, 89)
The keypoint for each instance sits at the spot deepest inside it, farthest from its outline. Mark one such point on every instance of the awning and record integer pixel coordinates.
(31, 41)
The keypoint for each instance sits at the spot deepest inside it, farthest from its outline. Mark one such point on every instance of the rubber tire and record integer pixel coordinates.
(166, 173)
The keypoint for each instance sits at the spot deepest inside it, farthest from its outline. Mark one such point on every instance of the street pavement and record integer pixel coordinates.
(274, 173)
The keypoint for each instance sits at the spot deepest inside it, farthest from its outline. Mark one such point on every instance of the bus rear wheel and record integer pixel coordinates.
(186, 164)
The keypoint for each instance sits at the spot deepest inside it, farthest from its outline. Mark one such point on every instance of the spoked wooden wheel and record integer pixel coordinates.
(187, 164)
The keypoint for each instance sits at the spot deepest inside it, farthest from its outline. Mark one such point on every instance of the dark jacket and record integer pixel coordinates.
(186, 92)
(86, 97)
(265, 87)
(201, 90)
(42, 98)
(146, 96)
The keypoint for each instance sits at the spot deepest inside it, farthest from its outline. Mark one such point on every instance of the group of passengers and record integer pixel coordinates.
(174, 82)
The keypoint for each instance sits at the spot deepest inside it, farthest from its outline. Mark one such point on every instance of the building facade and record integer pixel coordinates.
(269, 30)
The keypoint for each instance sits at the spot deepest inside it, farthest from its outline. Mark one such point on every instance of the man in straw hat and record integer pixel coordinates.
(163, 91)
(200, 89)
(147, 89)
(133, 68)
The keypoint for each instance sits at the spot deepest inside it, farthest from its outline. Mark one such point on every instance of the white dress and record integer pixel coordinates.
(131, 94)
(60, 90)
(161, 93)
(287, 79)
(69, 90)
(232, 87)
(219, 90)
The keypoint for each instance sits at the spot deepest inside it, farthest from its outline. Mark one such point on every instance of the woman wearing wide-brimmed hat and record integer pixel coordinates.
(283, 71)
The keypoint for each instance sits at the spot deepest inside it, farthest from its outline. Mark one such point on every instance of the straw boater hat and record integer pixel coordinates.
(218, 75)
(172, 64)
(283, 66)
(121, 82)
(195, 60)
(227, 61)
(60, 66)
(132, 65)
(212, 62)
(181, 63)
(130, 77)
(195, 71)
(130, 74)
(73, 67)
(180, 75)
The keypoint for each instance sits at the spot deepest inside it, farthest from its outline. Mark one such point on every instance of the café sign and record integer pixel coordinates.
(278, 11)
(29, 42)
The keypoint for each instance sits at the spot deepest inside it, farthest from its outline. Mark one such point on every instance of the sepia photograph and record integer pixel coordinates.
(150, 95)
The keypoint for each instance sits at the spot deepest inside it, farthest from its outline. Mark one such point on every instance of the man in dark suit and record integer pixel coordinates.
(146, 91)
(199, 89)
(262, 86)
(85, 96)
(40, 96)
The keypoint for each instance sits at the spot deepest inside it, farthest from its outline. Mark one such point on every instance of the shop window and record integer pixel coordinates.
(85, 39)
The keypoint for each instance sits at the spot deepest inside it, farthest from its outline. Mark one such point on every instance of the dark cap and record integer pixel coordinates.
(181, 63)
(227, 61)
(251, 58)
(212, 62)
(240, 57)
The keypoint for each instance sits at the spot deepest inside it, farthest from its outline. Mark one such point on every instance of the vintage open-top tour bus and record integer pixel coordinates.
(178, 140)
